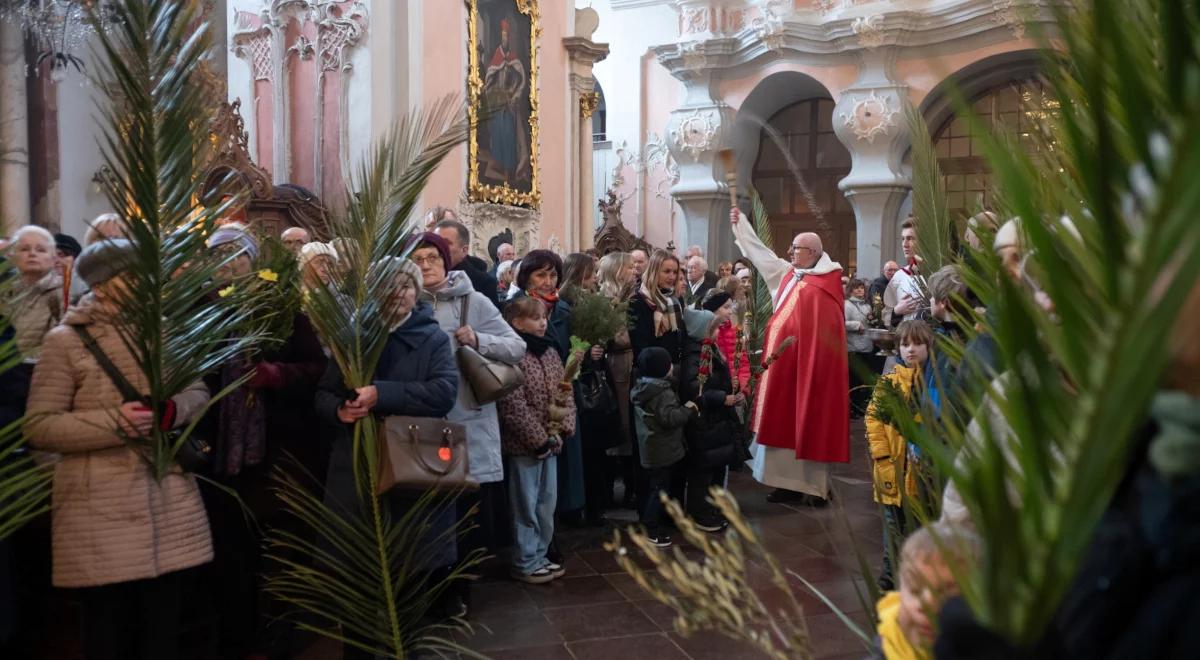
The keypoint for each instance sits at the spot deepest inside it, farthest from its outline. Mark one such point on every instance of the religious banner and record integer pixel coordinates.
(503, 108)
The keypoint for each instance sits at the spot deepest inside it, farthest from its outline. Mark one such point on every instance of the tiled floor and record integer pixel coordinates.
(598, 612)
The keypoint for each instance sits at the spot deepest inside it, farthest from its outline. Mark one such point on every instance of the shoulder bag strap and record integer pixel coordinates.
(89, 342)
(462, 316)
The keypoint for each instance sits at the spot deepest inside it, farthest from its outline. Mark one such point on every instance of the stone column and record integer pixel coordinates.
(583, 53)
(14, 129)
(869, 120)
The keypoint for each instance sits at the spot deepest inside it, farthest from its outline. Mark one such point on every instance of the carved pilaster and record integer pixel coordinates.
(583, 54)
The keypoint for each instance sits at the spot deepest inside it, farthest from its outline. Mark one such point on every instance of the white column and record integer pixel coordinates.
(14, 129)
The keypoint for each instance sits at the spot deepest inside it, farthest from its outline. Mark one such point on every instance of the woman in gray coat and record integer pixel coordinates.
(486, 332)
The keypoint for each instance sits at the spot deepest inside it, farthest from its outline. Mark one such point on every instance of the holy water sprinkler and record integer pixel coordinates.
(729, 161)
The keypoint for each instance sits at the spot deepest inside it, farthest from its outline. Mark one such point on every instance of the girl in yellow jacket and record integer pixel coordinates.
(893, 463)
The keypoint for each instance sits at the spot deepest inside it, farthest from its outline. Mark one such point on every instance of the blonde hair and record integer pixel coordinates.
(611, 266)
(94, 233)
(650, 278)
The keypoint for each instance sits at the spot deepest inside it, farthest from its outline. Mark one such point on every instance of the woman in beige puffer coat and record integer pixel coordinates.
(117, 533)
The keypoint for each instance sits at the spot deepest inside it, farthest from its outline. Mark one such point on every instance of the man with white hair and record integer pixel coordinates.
(801, 423)
(295, 238)
(710, 278)
(504, 252)
(697, 283)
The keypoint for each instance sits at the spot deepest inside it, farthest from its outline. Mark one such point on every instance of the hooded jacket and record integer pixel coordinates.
(112, 521)
(660, 419)
(497, 341)
(33, 310)
(888, 449)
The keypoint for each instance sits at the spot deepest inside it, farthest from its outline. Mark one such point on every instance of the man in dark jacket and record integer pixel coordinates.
(458, 239)
(879, 284)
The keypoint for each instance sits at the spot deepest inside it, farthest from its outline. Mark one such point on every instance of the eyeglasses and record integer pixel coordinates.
(797, 248)
(421, 261)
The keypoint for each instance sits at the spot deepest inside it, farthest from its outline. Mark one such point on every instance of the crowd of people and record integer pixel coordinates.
(658, 407)
(668, 404)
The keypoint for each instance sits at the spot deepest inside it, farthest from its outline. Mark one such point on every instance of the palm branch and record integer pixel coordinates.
(24, 485)
(155, 122)
(1053, 437)
(929, 197)
(760, 298)
(369, 592)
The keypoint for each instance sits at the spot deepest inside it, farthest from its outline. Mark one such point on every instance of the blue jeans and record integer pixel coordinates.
(532, 493)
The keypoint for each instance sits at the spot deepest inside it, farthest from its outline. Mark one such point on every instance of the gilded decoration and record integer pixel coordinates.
(588, 102)
(502, 84)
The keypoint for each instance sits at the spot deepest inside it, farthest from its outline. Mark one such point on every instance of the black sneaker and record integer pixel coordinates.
(708, 523)
(659, 540)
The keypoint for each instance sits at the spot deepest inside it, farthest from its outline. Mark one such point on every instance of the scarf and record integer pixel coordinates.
(662, 303)
(895, 645)
(535, 344)
(241, 428)
(549, 300)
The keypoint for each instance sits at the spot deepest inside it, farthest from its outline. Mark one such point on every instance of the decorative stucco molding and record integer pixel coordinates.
(695, 133)
(871, 117)
(486, 220)
(869, 30)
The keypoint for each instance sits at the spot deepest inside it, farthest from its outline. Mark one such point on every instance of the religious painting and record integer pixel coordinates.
(503, 108)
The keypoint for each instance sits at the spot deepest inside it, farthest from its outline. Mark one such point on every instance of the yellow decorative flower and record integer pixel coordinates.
(226, 292)
(268, 275)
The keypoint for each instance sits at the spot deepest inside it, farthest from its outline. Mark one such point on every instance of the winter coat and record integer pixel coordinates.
(727, 342)
(717, 428)
(112, 521)
(483, 282)
(620, 367)
(524, 412)
(416, 376)
(498, 341)
(660, 419)
(857, 340)
(33, 310)
(641, 330)
(887, 447)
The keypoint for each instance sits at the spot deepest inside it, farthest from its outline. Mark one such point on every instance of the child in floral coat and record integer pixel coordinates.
(534, 419)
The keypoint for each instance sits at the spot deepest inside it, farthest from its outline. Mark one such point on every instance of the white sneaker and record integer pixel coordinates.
(539, 576)
(556, 570)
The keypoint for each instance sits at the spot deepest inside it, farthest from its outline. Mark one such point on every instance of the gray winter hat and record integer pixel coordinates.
(100, 262)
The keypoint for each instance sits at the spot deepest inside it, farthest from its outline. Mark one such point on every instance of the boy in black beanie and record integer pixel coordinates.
(660, 419)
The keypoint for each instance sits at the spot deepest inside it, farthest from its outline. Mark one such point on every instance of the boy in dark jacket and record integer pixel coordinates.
(659, 418)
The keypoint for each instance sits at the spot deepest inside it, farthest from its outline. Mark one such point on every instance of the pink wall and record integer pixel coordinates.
(835, 79)
(663, 93)
(444, 72)
(922, 74)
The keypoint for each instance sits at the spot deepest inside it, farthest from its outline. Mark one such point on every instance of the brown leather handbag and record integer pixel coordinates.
(420, 453)
(489, 379)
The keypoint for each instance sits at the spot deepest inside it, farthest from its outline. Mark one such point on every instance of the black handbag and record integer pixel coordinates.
(195, 454)
(595, 396)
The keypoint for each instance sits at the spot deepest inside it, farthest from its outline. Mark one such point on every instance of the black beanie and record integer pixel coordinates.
(67, 244)
(654, 362)
(715, 300)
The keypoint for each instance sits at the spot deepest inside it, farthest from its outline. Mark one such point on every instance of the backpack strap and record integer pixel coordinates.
(462, 315)
(118, 379)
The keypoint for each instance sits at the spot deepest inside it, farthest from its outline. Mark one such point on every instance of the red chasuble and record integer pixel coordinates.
(803, 400)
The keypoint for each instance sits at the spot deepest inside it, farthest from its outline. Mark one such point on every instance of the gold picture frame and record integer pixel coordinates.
(500, 177)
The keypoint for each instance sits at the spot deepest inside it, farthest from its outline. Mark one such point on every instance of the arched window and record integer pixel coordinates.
(802, 194)
(1017, 106)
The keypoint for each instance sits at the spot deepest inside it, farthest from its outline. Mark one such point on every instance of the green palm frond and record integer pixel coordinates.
(760, 293)
(1052, 440)
(372, 596)
(24, 485)
(929, 197)
(155, 124)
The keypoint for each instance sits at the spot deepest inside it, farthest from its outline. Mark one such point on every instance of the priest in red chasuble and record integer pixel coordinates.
(801, 412)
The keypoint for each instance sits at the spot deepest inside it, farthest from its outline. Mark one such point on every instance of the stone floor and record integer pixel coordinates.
(598, 612)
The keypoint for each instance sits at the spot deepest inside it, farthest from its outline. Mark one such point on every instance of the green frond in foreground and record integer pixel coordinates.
(1052, 438)
(154, 124)
(760, 297)
(929, 197)
(331, 573)
(714, 592)
(372, 595)
(24, 485)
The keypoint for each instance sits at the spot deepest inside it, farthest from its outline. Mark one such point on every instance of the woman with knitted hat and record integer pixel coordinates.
(120, 537)
(452, 295)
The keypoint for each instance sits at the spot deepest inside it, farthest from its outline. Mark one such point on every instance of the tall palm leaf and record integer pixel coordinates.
(929, 196)
(153, 126)
(364, 586)
(24, 485)
(760, 298)
(1052, 440)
